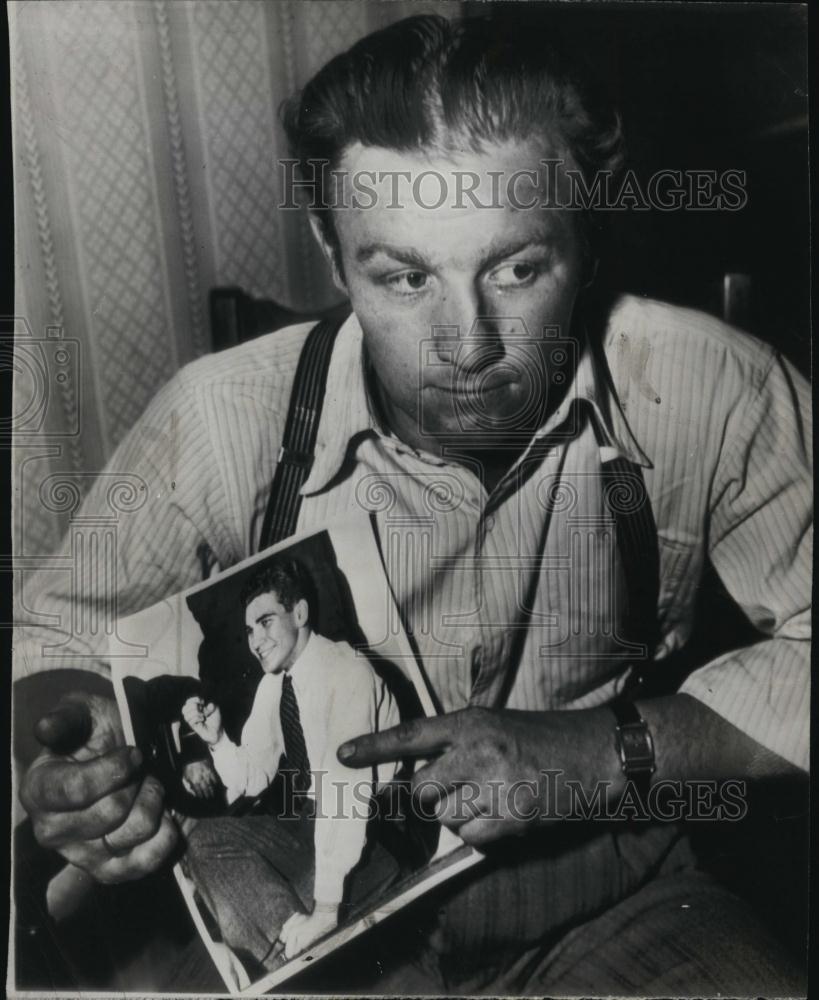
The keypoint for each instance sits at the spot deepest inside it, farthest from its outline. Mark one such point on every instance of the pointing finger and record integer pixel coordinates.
(414, 738)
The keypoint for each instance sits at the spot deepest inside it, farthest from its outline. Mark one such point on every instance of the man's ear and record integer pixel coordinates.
(301, 613)
(329, 249)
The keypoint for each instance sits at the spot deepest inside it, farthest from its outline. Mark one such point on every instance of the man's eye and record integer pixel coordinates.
(407, 282)
(514, 275)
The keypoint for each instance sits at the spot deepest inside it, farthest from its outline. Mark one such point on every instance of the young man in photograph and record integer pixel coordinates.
(276, 883)
(448, 372)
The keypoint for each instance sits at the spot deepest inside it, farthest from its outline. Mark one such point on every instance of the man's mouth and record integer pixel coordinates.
(477, 388)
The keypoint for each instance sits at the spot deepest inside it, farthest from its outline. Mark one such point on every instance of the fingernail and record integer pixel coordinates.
(346, 750)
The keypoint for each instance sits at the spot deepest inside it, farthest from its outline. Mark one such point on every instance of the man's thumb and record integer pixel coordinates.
(66, 728)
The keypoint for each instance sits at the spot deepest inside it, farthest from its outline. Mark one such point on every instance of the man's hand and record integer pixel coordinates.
(495, 773)
(204, 719)
(88, 798)
(199, 778)
(498, 772)
(302, 929)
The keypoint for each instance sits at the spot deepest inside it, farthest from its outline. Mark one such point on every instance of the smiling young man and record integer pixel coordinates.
(548, 484)
(276, 883)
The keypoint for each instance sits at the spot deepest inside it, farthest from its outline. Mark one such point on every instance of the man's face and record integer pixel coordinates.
(410, 269)
(272, 632)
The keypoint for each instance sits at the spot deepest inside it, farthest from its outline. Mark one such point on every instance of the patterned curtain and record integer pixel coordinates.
(146, 140)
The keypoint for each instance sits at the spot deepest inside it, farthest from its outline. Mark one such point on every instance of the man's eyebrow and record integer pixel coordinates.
(492, 254)
(260, 619)
(501, 249)
(405, 255)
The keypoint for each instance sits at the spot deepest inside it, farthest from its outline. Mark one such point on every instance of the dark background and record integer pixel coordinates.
(707, 86)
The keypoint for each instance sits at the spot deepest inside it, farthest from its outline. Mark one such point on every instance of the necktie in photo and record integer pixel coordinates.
(295, 749)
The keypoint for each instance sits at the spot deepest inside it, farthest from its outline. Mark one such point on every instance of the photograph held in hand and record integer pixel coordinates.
(337, 693)
(284, 843)
(458, 611)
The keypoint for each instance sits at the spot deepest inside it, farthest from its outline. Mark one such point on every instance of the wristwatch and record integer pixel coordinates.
(635, 745)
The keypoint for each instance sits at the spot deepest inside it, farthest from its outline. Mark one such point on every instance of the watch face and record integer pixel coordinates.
(636, 747)
(635, 742)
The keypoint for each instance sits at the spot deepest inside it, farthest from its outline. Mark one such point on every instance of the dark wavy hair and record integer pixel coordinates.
(287, 579)
(426, 82)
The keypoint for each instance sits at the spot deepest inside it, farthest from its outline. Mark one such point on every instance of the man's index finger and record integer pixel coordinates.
(413, 738)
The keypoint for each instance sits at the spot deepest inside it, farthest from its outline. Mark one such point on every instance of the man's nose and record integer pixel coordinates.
(468, 334)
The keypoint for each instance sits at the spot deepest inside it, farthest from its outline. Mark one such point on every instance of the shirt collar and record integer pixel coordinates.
(347, 413)
(310, 653)
(592, 385)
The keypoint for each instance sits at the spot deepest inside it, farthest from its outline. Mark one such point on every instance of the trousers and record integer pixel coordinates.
(254, 872)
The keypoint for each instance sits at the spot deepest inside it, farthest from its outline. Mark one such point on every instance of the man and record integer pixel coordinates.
(476, 404)
(276, 883)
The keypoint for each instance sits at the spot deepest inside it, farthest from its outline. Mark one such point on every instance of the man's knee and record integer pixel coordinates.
(209, 836)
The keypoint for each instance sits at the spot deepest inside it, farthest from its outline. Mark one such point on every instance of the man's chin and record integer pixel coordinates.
(485, 427)
(508, 411)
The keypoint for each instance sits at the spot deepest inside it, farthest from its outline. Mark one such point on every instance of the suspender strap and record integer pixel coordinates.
(295, 457)
(626, 497)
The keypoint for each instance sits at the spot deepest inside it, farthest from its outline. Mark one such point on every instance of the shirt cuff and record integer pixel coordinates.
(764, 691)
(329, 882)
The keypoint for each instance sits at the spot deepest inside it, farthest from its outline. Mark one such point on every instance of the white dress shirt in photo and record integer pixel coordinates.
(339, 696)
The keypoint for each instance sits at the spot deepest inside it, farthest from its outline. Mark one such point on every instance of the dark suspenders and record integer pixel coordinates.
(624, 493)
(295, 457)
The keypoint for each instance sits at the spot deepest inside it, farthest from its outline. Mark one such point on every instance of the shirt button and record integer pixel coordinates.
(490, 522)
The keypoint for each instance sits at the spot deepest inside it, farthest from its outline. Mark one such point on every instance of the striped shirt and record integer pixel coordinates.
(514, 596)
